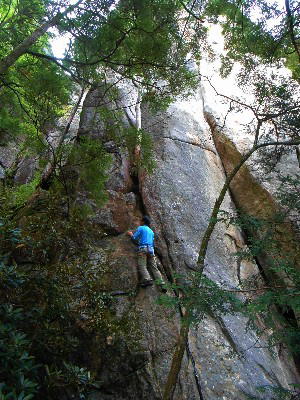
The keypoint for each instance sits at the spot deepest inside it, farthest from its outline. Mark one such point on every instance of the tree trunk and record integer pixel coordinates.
(176, 361)
(47, 175)
(11, 58)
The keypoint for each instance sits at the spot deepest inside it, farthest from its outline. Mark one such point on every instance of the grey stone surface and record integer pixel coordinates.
(230, 360)
(225, 359)
(25, 171)
(8, 153)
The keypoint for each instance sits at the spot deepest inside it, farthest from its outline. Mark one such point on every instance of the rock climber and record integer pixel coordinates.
(144, 237)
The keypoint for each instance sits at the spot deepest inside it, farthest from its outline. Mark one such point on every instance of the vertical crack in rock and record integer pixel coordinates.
(167, 269)
(141, 205)
(256, 260)
(196, 375)
(269, 375)
(228, 337)
(298, 155)
(238, 272)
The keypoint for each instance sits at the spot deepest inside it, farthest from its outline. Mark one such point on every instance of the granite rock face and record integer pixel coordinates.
(224, 360)
(179, 196)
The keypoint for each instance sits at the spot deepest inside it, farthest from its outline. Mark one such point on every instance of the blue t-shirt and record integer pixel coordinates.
(144, 235)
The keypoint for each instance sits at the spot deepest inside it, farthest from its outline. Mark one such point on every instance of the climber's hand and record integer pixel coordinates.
(130, 233)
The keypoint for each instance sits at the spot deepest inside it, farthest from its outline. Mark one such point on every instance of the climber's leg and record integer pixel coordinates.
(156, 273)
(145, 278)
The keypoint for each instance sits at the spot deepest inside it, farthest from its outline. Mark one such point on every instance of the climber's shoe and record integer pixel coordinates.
(148, 282)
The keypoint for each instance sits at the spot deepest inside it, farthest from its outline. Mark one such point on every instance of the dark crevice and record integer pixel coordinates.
(109, 231)
(136, 190)
(166, 270)
(196, 375)
(298, 155)
(288, 314)
(269, 375)
(2, 165)
(248, 244)
(160, 258)
(239, 271)
(109, 387)
(141, 206)
(119, 293)
(228, 337)
(46, 183)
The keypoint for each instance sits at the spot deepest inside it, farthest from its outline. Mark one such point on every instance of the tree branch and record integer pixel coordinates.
(76, 78)
(4, 20)
(21, 49)
(129, 63)
(190, 12)
(291, 26)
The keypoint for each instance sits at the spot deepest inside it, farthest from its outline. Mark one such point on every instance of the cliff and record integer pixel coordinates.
(130, 349)
(224, 357)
